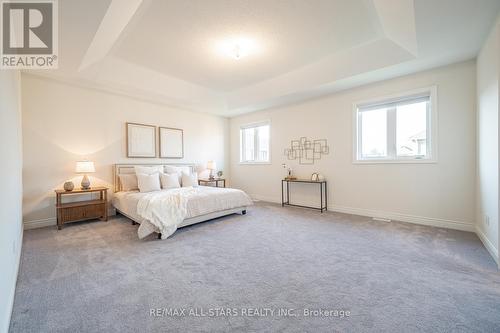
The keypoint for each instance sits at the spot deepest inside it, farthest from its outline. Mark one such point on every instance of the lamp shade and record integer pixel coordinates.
(211, 165)
(84, 167)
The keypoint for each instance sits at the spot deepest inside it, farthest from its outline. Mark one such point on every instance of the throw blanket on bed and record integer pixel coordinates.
(165, 210)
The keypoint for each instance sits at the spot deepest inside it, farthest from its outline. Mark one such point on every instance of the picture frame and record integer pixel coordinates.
(141, 140)
(171, 142)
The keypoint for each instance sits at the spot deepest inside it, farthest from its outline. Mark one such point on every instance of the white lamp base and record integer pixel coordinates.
(85, 183)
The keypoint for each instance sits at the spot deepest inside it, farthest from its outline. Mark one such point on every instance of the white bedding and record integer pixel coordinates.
(201, 200)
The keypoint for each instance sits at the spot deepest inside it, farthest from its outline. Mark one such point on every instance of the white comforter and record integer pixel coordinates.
(164, 210)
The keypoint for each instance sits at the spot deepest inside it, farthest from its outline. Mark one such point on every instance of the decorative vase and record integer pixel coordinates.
(69, 186)
(85, 182)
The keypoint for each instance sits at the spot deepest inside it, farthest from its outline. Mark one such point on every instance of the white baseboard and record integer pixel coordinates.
(257, 197)
(488, 245)
(430, 221)
(34, 224)
(423, 220)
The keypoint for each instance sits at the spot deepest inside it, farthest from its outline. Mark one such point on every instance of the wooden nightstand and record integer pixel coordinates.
(81, 210)
(208, 182)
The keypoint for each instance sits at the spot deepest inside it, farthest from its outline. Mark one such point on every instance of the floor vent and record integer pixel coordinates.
(381, 219)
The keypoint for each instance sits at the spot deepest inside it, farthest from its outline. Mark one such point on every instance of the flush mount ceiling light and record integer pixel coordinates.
(237, 48)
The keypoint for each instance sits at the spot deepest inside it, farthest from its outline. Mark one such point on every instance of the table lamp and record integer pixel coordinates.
(211, 166)
(85, 167)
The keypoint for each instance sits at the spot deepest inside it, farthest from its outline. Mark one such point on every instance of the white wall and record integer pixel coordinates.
(64, 123)
(439, 194)
(10, 191)
(487, 141)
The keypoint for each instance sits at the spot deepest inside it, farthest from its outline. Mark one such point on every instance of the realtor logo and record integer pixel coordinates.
(29, 34)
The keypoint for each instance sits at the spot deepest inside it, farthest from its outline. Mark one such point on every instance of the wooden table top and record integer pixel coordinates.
(79, 190)
(303, 181)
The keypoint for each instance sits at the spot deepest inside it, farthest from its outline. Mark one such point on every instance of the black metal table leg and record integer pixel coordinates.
(282, 198)
(326, 197)
(288, 192)
(321, 195)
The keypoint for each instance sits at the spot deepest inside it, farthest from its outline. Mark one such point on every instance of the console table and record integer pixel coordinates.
(322, 193)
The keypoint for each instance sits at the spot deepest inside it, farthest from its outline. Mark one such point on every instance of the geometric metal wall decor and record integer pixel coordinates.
(307, 151)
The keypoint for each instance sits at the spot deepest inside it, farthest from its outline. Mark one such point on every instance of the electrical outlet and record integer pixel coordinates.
(487, 220)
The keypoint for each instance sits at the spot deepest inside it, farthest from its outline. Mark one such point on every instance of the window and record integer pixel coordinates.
(396, 129)
(254, 143)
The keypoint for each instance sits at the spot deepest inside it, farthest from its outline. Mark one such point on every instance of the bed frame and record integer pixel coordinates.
(120, 169)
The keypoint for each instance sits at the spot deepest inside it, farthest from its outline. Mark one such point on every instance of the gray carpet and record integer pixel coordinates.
(391, 277)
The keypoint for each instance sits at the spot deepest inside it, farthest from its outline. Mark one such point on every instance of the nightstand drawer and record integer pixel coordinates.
(82, 212)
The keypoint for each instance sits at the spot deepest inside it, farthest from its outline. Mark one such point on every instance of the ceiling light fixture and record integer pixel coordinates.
(237, 51)
(237, 48)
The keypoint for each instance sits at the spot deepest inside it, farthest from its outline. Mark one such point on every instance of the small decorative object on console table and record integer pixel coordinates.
(211, 165)
(317, 177)
(289, 172)
(322, 193)
(85, 167)
(81, 210)
(69, 186)
(215, 181)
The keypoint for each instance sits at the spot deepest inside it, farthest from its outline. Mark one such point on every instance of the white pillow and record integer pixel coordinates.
(129, 182)
(169, 180)
(148, 170)
(177, 170)
(189, 179)
(148, 183)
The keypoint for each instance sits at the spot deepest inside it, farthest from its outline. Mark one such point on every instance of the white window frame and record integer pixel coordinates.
(392, 157)
(256, 142)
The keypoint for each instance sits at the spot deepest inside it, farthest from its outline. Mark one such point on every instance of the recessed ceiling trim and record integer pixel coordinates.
(398, 22)
(118, 15)
(163, 50)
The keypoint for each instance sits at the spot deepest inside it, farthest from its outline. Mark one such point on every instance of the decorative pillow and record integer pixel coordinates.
(189, 179)
(177, 170)
(129, 182)
(148, 183)
(169, 181)
(148, 170)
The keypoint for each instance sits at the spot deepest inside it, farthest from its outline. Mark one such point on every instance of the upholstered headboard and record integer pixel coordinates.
(120, 169)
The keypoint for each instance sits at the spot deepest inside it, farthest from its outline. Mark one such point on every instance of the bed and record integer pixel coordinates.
(204, 203)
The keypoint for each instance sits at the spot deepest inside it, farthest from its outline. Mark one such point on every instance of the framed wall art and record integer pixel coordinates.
(307, 151)
(171, 142)
(141, 140)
